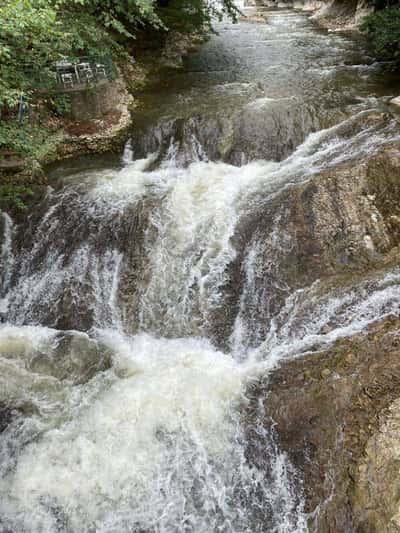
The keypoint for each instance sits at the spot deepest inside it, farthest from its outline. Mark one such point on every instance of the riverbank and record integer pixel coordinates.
(108, 128)
(335, 15)
(99, 120)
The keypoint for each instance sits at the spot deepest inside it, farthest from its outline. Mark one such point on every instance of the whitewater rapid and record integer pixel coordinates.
(144, 432)
(126, 410)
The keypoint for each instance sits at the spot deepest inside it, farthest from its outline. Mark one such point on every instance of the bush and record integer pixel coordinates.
(14, 197)
(383, 28)
(36, 33)
(30, 142)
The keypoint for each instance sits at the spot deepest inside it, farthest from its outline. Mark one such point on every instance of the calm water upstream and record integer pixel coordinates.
(127, 345)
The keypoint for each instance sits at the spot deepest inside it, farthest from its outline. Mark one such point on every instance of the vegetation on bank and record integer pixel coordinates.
(36, 34)
(14, 197)
(383, 28)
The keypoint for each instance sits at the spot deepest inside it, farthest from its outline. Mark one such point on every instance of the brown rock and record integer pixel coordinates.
(343, 217)
(343, 435)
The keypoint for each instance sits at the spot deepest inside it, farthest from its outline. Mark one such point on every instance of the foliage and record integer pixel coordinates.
(383, 28)
(34, 34)
(14, 196)
(30, 38)
(119, 16)
(60, 104)
(192, 15)
(25, 140)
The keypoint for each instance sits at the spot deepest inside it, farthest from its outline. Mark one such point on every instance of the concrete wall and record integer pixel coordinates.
(95, 102)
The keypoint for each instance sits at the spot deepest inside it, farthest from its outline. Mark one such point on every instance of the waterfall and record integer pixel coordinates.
(6, 260)
(141, 301)
(164, 401)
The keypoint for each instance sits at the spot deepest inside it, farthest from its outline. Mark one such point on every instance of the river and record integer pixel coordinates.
(138, 305)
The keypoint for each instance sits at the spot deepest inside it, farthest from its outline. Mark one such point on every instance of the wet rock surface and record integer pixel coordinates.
(267, 129)
(375, 501)
(335, 414)
(124, 230)
(343, 221)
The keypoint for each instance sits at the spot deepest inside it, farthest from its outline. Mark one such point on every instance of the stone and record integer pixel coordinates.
(260, 19)
(395, 102)
(350, 358)
(343, 441)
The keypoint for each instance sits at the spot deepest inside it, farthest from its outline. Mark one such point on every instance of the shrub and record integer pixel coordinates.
(14, 197)
(383, 28)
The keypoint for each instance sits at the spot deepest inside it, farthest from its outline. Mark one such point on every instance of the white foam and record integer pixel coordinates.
(163, 426)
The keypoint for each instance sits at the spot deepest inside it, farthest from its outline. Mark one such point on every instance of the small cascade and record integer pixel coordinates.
(127, 156)
(6, 260)
(313, 318)
(66, 272)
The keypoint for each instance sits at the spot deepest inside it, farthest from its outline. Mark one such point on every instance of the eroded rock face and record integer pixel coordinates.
(337, 416)
(376, 495)
(340, 14)
(68, 265)
(336, 413)
(263, 129)
(344, 14)
(345, 220)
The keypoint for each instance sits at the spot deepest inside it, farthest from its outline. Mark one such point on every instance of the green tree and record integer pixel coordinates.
(33, 35)
(189, 15)
(36, 33)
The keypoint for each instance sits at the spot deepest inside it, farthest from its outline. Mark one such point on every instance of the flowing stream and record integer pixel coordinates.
(127, 343)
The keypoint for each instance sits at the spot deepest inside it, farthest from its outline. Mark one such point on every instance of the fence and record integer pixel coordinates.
(76, 75)
(71, 74)
(62, 77)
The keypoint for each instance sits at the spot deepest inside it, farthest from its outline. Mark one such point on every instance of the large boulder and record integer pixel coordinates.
(337, 416)
(341, 221)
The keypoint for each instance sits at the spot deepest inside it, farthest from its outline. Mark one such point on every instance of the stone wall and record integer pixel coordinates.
(95, 102)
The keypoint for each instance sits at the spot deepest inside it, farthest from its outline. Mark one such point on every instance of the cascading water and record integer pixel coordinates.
(127, 347)
(6, 259)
